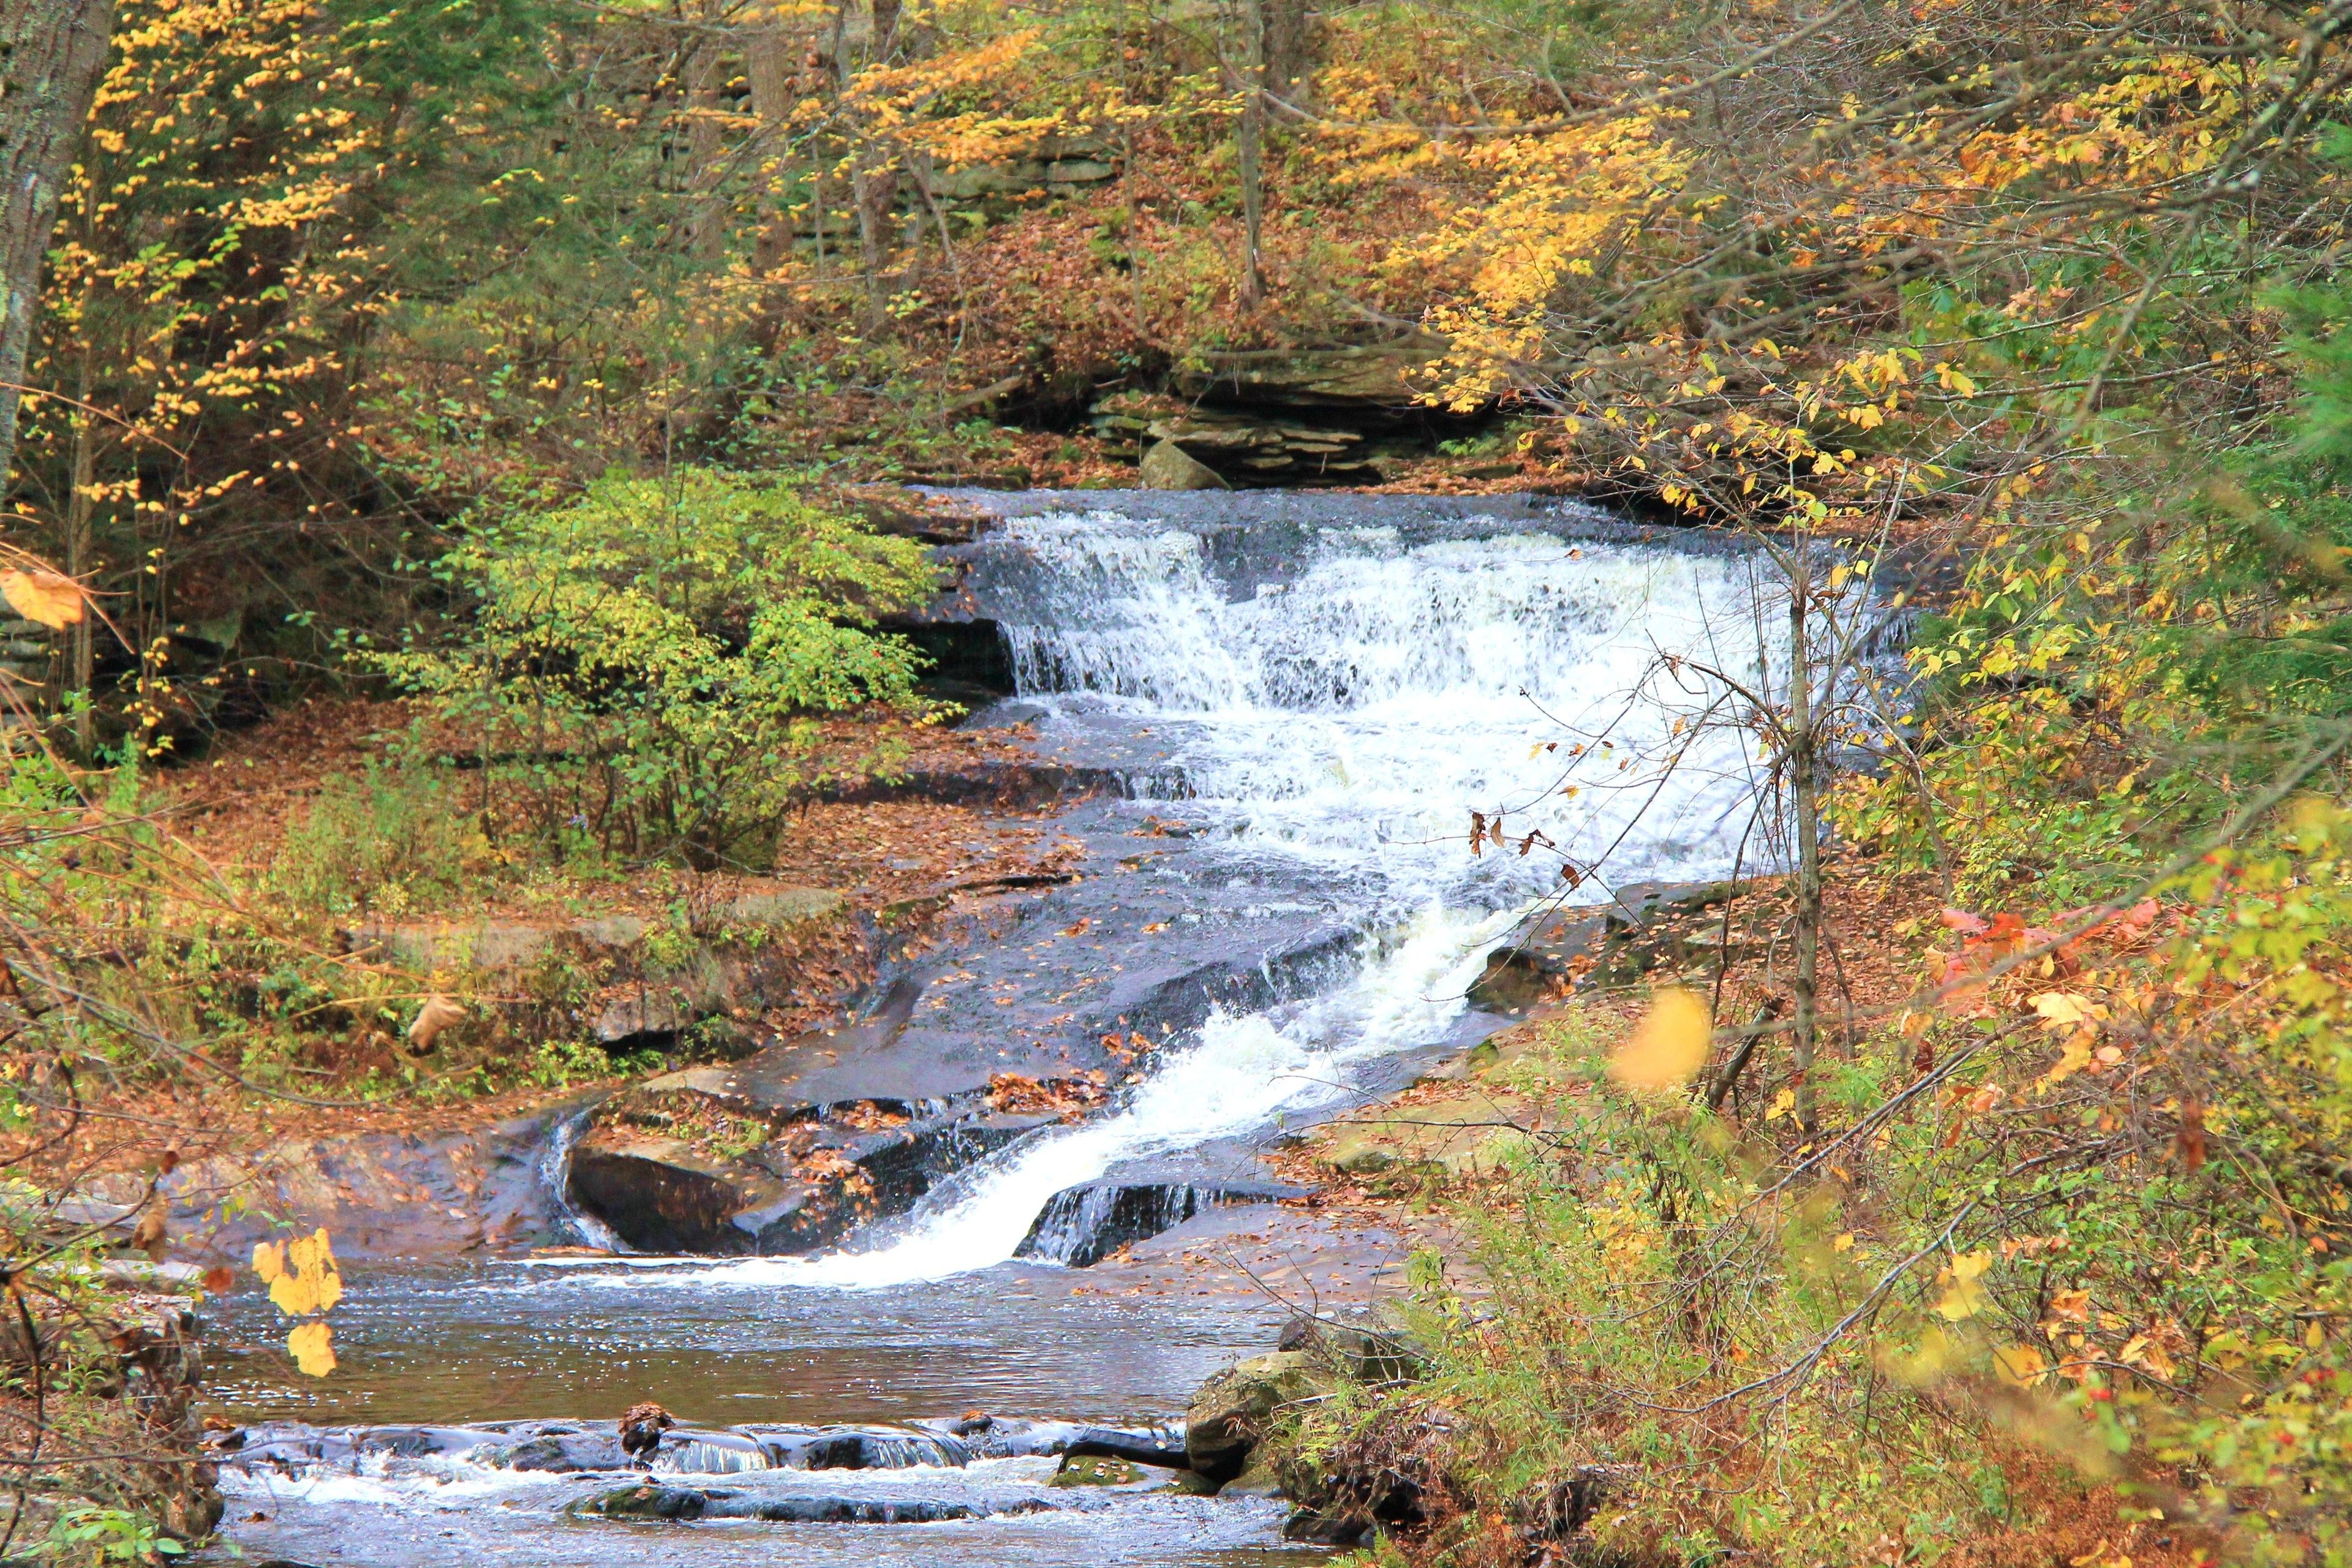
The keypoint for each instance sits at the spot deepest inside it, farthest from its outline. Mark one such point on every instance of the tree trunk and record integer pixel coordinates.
(1804, 754)
(80, 651)
(52, 53)
(1252, 153)
(705, 216)
(768, 63)
(1289, 49)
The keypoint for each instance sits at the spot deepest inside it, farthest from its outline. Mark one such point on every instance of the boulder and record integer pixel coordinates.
(1168, 467)
(682, 1165)
(1235, 1407)
(661, 1195)
(1259, 1480)
(1362, 379)
(1648, 925)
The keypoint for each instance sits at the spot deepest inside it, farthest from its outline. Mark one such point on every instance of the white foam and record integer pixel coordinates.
(1353, 718)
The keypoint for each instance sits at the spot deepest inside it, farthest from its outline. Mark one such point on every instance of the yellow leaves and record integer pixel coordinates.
(2073, 1058)
(1964, 1292)
(55, 601)
(1951, 378)
(2072, 1011)
(2143, 1352)
(303, 1282)
(2066, 1010)
(2020, 1366)
(301, 1274)
(313, 1346)
(1668, 1048)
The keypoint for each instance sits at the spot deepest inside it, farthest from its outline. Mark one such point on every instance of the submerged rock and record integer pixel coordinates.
(1091, 1470)
(1259, 1481)
(563, 1454)
(649, 1502)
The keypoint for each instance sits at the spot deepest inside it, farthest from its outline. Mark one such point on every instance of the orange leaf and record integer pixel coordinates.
(56, 601)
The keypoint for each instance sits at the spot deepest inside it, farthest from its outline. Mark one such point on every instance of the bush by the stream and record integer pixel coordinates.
(650, 664)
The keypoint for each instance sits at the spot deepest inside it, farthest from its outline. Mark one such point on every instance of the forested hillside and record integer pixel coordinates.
(533, 387)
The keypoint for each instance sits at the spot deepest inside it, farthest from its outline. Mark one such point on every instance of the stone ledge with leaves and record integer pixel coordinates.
(630, 977)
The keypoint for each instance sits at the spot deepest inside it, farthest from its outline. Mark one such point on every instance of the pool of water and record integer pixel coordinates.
(503, 1341)
(491, 1342)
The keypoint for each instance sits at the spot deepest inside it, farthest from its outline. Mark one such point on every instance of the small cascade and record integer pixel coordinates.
(1081, 1226)
(701, 1452)
(860, 1449)
(555, 1178)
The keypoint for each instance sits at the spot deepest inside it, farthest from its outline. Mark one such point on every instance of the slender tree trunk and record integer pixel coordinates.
(1252, 154)
(874, 188)
(1289, 49)
(767, 60)
(876, 191)
(80, 651)
(1134, 216)
(1803, 759)
(52, 53)
(707, 222)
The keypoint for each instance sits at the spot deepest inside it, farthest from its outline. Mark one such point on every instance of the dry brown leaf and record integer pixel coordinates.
(437, 1013)
(54, 600)
(151, 1236)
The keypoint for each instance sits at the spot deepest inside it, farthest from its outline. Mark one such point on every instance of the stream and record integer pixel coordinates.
(1301, 699)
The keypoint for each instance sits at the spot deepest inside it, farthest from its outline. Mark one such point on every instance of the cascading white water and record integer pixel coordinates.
(1338, 730)
(1353, 716)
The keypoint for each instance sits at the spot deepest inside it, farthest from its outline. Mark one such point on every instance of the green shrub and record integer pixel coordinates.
(652, 661)
(385, 842)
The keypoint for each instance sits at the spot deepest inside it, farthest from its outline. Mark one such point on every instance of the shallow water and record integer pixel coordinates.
(494, 1341)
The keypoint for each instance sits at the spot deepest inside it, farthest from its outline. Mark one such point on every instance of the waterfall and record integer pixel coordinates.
(1330, 729)
(1351, 717)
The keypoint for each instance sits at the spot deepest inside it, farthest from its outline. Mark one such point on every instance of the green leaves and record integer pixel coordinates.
(653, 662)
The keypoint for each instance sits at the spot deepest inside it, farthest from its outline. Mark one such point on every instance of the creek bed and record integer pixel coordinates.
(491, 1342)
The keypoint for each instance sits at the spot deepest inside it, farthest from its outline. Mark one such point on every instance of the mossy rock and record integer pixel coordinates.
(647, 1501)
(1235, 1407)
(1094, 1470)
